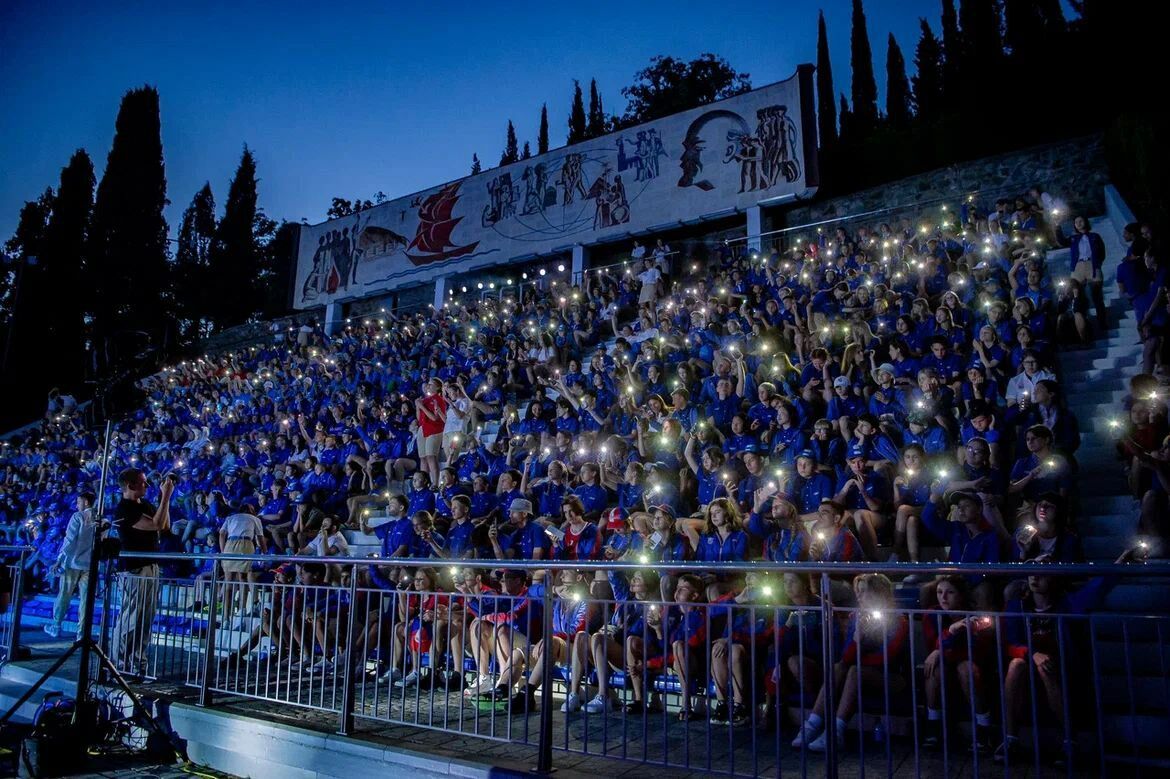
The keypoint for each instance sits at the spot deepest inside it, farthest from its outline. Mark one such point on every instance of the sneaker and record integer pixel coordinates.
(932, 734)
(807, 733)
(1009, 750)
(53, 630)
(452, 681)
(391, 674)
(600, 703)
(523, 701)
(324, 666)
(410, 680)
(719, 712)
(821, 742)
(635, 707)
(572, 703)
(482, 684)
(740, 715)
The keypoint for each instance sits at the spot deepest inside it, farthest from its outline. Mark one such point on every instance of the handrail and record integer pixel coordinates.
(831, 568)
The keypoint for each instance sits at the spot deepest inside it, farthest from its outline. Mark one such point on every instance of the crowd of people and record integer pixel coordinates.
(873, 392)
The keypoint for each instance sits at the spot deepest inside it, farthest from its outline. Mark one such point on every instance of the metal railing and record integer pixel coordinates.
(12, 558)
(1070, 686)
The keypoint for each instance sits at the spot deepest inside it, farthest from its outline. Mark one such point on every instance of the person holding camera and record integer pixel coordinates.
(139, 524)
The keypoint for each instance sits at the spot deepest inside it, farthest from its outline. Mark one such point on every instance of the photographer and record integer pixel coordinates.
(138, 524)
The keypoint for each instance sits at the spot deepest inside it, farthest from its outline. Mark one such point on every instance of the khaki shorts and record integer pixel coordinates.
(1083, 272)
(428, 446)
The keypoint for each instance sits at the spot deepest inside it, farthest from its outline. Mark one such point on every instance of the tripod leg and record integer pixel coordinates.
(31, 691)
(139, 707)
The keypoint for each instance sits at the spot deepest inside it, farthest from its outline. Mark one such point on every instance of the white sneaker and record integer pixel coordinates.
(391, 674)
(410, 680)
(324, 665)
(482, 684)
(600, 703)
(820, 743)
(572, 703)
(53, 630)
(808, 732)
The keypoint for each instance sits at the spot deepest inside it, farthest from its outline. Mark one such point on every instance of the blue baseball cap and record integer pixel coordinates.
(807, 453)
(856, 450)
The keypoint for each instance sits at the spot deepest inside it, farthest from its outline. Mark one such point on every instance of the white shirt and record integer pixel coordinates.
(242, 526)
(457, 416)
(78, 544)
(1022, 384)
(317, 545)
(639, 252)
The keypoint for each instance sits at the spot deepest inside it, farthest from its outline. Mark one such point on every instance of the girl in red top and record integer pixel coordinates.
(422, 624)
(431, 410)
(960, 646)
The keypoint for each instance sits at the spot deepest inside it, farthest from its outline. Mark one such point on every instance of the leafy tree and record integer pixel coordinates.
(596, 122)
(527, 153)
(476, 167)
(343, 207)
(897, 86)
(865, 112)
(511, 150)
(127, 264)
(928, 85)
(197, 229)
(826, 108)
(668, 85)
(277, 251)
(576, 116)
(542, 135)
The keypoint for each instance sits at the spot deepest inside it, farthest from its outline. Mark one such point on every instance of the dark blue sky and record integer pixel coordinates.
(351, 98)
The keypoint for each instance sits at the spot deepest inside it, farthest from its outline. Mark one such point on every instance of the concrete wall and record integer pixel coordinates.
(1073, 170)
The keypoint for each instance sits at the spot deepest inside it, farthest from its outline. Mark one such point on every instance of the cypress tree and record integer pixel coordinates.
(983, 46)
(476, 167)
(28, 304)
(897, 86)
(236, 250)
(577, 116)
(596, 122)
(928, 86)
(127, 252)
(826, 107)
(63, 262)
(846, 115)
(952, 45)
(194, 283)
(865, 113)
(542, 134)
(527, 151)
(511, 150)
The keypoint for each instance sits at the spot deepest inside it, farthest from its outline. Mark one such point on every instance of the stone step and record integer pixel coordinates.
(1109, 504)
(1083, 361)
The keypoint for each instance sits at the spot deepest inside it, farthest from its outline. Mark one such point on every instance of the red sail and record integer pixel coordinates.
(435, 225)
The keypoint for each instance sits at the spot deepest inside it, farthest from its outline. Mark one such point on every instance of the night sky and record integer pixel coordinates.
(373, 96)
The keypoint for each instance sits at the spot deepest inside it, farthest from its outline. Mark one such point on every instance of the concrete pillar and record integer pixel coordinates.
(755, 226)
(580, 257)
(440, 292)
(334, 321)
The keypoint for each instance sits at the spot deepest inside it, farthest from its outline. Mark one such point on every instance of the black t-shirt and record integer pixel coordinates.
(126, 515)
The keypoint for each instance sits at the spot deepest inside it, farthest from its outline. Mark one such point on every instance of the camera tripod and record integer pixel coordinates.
(84, 722)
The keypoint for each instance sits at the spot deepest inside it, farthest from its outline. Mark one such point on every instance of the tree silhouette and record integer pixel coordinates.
(898, 109)
(194, 283)
(576, 116)
(952, 46)
(511, 151)
(542, 134)
(476, 167)
(235, 252)
(982, 50)
(596, 121)
(865, 113)
(127, 251)
(928, 86)
(63, 262)
(826, 108)
(668, 86)
(527, 151)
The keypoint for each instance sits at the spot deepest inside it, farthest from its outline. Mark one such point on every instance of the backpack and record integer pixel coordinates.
(51, 749)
